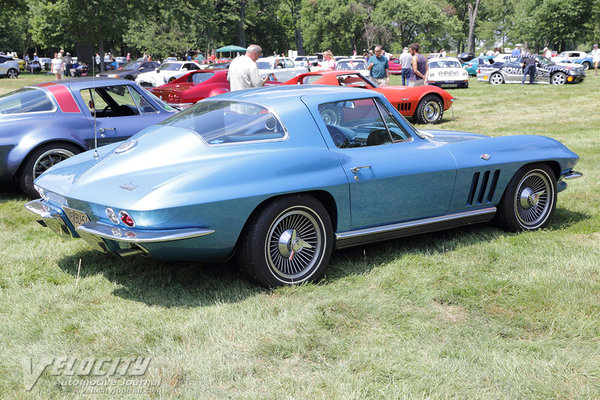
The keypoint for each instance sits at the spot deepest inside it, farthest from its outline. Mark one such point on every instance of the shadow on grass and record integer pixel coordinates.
(10, 192)
(193, 284)
(165, 284)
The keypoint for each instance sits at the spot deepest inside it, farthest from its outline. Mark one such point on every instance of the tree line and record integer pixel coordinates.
(176, 27)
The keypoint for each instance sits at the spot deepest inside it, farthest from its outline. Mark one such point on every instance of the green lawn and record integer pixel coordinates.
(467, 313)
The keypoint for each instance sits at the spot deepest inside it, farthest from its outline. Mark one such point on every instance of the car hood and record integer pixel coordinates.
(117, 72)
(127, 177)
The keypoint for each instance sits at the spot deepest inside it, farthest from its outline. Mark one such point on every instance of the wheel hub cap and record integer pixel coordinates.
(529, 198)
(289, 243)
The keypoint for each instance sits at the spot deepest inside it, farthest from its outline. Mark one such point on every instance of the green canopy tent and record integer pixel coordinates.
(230, 49)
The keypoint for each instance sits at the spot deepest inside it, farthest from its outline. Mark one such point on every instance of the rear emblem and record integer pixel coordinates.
(485, 157)
(129, 186)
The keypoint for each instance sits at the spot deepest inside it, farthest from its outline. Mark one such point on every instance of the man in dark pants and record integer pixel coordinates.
(529, 62)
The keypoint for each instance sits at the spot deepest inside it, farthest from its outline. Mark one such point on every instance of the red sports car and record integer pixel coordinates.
(395, 66)
(192, 87)
(425, 104)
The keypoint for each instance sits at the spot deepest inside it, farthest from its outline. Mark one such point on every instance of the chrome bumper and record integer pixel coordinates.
(50, 217)
(572, 175)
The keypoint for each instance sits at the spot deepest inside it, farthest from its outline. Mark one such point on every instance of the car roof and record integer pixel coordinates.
(279, 96)
(443, 59)
(86, 82)
(271, 58)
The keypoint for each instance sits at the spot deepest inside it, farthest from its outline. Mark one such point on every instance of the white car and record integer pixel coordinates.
(282, 67)
(167, 72)
(305, 61)
(447, 72)
(8, 67)
(350, 64)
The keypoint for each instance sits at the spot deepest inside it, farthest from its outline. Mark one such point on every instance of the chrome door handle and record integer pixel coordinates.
(106, 129)
(356, 169)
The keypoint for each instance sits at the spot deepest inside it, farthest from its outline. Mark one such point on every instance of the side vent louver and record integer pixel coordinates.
(403, 107)
(483, 187)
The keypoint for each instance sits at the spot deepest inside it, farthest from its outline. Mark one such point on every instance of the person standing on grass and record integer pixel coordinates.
(529, 62)
(57, 66)
(596, 58)
(243, 71)
(418, 76)
(405, 62)
(378, 67)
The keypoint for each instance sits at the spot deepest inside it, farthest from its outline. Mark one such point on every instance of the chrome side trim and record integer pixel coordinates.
(112, 232)
(572, 175)
(385, 232)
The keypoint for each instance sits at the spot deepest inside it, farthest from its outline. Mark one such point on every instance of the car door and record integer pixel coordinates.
(119, 112)
(393, 175)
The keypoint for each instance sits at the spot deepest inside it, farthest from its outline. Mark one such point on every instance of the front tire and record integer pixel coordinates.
(430, 110)
(586, 65)
(38, 161)
(287, 243)
(529, 200)
(559, 78)
(12, 73)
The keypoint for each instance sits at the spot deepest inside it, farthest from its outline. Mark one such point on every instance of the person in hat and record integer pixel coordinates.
(517, 51)
(405, 62)
(68, 61)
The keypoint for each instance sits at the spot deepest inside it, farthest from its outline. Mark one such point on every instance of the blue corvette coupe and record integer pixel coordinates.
(264, 175)
(44, 124)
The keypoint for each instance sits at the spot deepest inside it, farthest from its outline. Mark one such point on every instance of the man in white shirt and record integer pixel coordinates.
(243, 72)
(405, 62)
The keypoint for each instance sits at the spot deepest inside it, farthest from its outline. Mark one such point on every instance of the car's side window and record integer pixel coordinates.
(398, 133)
(144, 106)
(289, 63)
(355, 123)
(110, 101)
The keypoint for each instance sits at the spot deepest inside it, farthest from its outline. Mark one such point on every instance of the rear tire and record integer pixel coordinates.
(288, 242)
(38, 161)
(496, 78)
(586, 65)
(529, 200)
(430, 110)
(12, 73)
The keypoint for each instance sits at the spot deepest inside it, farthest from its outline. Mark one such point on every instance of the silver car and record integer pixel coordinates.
(8, 67)
(547, 72)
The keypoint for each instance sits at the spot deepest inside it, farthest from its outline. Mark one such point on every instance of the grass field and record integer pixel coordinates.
(465, 314)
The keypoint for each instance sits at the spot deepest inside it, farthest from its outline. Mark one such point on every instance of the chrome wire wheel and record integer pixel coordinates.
(49, 159)
(496, 79)
(330, 116)
(294, 244)
(559, 78)
(534, 199)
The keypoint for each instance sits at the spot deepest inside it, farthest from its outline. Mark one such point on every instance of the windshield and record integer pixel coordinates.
(170, 67)
(226, 122)
(444, 64)
(350, 65)
(200, 77)
(130, 65)
(26, 100)
(263, 65)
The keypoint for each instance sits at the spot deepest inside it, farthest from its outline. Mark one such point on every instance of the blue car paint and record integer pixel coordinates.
(20, 134)
(172, 179)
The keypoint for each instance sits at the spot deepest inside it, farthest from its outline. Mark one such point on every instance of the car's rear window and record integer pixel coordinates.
(26, 100)
(201, 77)
(226, 122)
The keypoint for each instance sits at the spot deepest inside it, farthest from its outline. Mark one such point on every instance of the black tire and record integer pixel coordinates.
(288, 242)
(558, 78)
(496, 78)
(430, 110)
(12, 73)
(586, 65)
(39, 160)
(529, 200)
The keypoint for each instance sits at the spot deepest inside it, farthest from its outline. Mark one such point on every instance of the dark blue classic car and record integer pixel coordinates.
(260, 174)
(44, 124)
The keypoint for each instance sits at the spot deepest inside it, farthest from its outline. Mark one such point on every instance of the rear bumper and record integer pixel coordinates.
(106, 237)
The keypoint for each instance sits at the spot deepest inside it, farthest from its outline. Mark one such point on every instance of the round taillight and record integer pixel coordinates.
(126, 219)
(112, 216)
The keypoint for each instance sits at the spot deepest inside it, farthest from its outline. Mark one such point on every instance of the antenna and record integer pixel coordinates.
(94, 107)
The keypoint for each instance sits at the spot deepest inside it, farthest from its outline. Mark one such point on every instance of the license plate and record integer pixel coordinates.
(76, 217)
